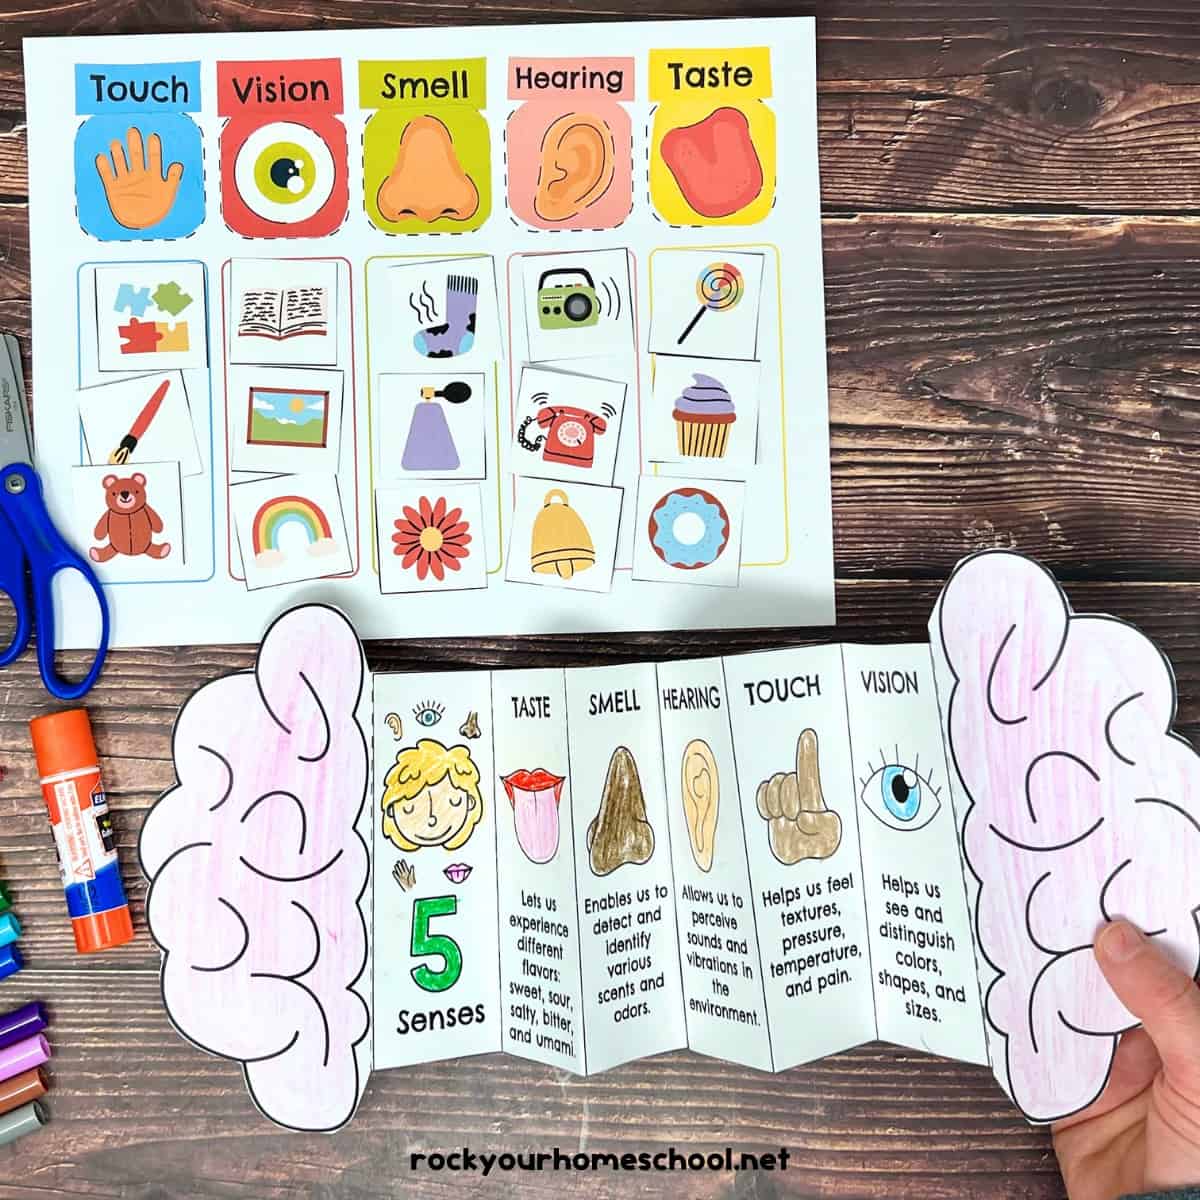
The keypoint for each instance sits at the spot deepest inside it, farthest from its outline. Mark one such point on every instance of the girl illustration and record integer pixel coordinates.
(431, 797)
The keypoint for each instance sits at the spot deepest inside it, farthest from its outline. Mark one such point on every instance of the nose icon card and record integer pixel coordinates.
(427, 164)
(283, 148)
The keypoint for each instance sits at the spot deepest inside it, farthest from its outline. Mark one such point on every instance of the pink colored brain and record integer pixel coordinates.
(256, 871)
(1084, 807)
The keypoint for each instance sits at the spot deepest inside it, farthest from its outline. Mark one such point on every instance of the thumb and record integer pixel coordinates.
(175, 172)
(1161, 995)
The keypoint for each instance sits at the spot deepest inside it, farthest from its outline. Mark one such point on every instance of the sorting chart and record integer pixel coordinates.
(465, 331)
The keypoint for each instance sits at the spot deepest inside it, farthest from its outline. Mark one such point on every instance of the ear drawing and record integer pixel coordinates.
(578, 161)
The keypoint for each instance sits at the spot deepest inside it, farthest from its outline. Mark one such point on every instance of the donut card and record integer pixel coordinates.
(529, 259)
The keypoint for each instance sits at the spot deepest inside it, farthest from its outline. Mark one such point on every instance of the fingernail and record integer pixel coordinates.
(1120, 941)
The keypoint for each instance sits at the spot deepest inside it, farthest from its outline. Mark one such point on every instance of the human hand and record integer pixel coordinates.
(1143, 1133)
(137, 193)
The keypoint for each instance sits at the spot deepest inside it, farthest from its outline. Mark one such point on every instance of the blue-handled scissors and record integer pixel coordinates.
(33, 552)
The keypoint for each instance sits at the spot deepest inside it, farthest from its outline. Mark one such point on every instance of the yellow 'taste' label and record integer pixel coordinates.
(448, 81)
(697, 73)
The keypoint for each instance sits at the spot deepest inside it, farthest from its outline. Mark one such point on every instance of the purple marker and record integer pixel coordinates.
(22, 1023)
(23, 1056)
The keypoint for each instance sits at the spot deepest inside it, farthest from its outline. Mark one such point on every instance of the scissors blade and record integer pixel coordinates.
(15, 442)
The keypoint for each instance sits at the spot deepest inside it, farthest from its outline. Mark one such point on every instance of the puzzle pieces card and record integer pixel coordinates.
(289, 529)
(142, 420)
(151, 317)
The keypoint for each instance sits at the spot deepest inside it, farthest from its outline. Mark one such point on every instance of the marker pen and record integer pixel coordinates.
(27, 1119)
(83, 832)
(20, 1089)
(24, 1056)
(10, 961)
(22, 1022)
(10, 929)
(5, 899)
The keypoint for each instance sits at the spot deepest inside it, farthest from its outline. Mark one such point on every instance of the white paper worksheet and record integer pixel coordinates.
(466, 331)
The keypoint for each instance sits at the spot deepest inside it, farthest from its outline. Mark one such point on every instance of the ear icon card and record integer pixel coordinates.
(139, 160)
(569, 145)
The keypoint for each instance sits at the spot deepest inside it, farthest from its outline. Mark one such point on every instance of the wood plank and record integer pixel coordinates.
(131, 1101)
(995, 381)
(942, 107)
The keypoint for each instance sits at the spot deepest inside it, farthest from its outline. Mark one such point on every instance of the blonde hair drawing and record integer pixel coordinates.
(431, 797)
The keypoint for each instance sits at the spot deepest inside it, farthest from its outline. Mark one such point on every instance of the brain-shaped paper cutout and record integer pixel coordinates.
(256, 871)
(1083, 807)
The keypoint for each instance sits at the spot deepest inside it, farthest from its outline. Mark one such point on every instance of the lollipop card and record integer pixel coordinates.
(705, 306)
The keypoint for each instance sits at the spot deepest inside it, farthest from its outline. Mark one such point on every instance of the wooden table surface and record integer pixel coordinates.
(1013, 289)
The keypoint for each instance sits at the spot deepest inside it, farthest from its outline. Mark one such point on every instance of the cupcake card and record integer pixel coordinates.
(567, 426)
(689, 531)
(704, 415)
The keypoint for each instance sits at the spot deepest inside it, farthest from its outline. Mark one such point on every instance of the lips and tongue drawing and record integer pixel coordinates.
(535, 796)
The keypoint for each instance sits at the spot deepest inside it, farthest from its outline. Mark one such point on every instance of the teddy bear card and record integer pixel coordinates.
(466, 331)
(767, 857)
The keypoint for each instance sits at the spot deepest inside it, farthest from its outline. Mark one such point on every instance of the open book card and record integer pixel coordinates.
(767, 857)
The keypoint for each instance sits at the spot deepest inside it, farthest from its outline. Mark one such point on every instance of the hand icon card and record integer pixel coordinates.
(151, 317)
(289, 529)
(568, 426)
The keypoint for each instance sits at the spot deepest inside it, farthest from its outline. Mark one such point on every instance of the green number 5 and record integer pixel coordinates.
(426, 944)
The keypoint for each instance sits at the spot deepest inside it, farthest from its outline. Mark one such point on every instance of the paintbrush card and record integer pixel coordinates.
(284, 419)
(142, 420)
(290, 528)
(151, 316)
(283, 311)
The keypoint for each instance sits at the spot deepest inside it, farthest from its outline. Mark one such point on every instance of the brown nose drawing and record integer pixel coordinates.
(428, 182)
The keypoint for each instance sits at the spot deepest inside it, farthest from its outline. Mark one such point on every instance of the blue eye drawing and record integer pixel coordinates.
(427, 713)
(899, 795)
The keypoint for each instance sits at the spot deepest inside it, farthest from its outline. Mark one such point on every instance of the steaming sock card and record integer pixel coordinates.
(643, 225)
(767, 857)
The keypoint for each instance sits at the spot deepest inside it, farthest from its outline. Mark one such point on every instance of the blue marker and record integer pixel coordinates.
(10, 929)
(10, 961)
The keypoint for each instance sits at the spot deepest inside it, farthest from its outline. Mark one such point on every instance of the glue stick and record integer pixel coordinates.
(83, 832)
